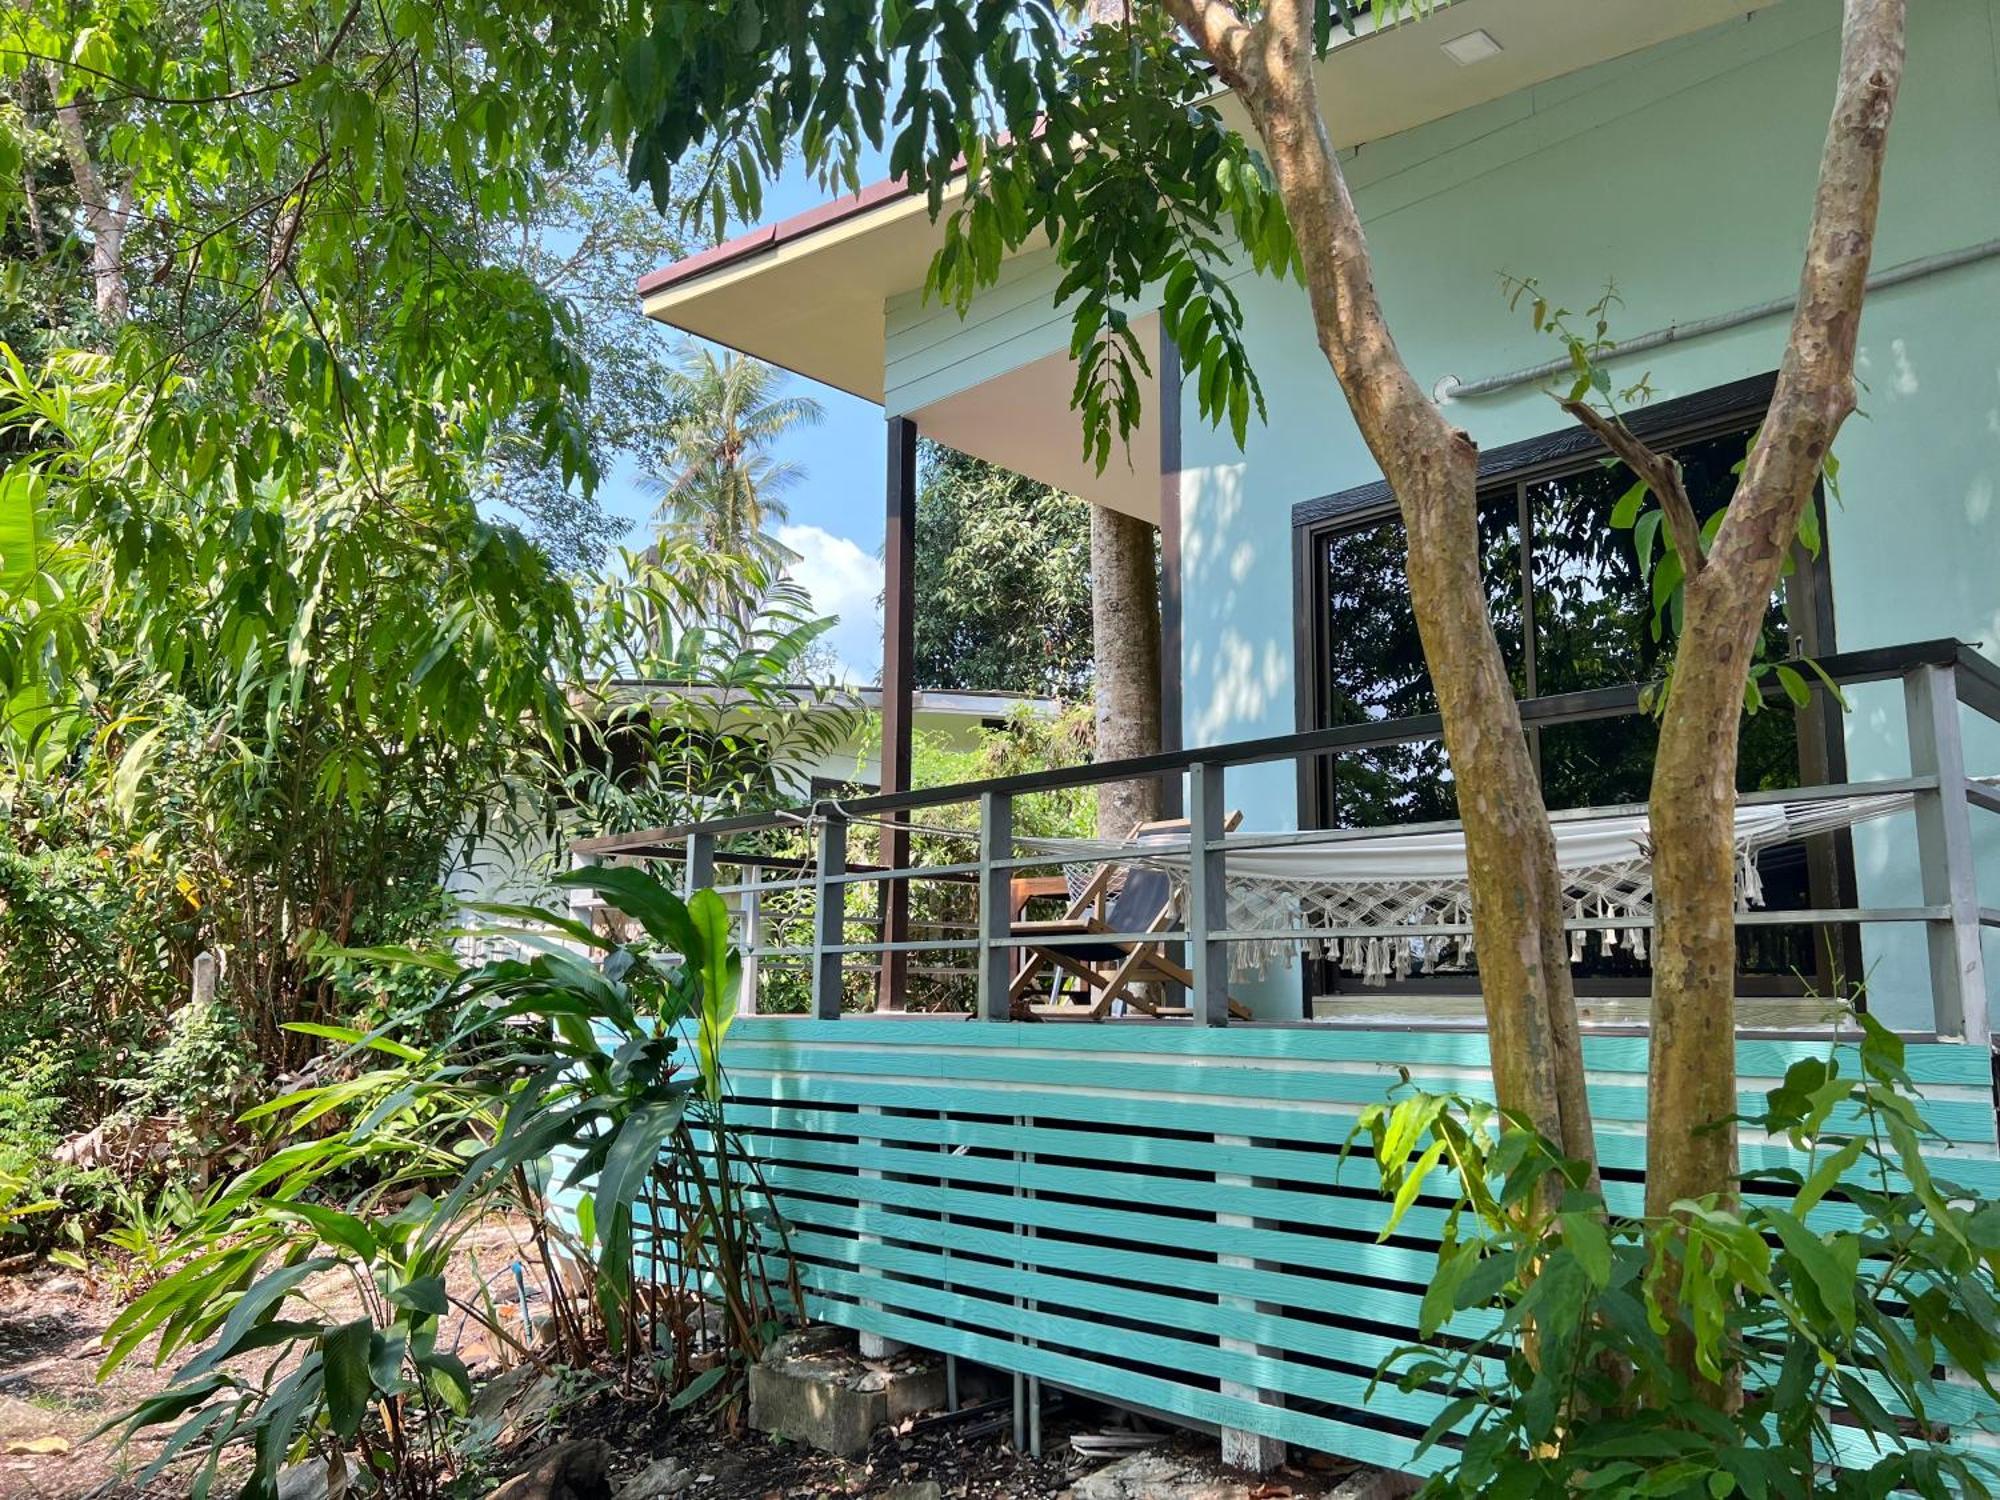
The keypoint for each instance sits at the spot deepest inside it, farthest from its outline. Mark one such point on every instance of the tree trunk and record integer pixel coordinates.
(106, 220)
(1690, 1089)
(1125, 626)
(1517, 894)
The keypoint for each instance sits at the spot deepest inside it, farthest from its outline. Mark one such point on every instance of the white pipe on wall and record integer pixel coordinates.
(1451, 388)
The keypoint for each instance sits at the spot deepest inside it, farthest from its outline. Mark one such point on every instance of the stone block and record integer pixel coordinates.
(1376, 1484)
(1166, 1475)
(811, 1400)
(910, 1387)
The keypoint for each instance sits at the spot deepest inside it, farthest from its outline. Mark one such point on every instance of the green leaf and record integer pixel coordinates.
(336, 1228)
(349, 1385)
(1793, 684)
(446, 1374)
(424, 1294)
(633, 1155)
(257, 1304)
(1825, 1176)
(1831, 1273)
(1626, 510)
(1584, 1233)
(642, 898)
(697, 1388)
(1413, 1182)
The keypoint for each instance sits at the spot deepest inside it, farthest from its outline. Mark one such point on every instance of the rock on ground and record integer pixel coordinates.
(1161, 1474)
(577, 1470)
(657, 1481)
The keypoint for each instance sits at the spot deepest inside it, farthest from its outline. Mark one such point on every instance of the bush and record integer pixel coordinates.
(1548, 1330)
(610, 1072)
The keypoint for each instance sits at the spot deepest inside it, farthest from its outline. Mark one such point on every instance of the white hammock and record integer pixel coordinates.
(1387, 903)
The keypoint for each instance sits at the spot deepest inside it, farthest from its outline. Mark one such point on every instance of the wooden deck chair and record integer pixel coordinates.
(1111, 971)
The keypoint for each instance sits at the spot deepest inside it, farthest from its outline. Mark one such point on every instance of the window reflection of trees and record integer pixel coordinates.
(1374, 666)
(1586, 622)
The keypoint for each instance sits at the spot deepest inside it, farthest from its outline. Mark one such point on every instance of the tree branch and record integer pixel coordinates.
(1815, 389)
(1661, 473)
(1231, 43)
(107, 222)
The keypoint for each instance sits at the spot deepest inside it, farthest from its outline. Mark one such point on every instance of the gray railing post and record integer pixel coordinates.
(995, 921)
(753, 939)
(582, 902)
(1208, 893)
(829, 918)
(699, 871)
(1944, 853)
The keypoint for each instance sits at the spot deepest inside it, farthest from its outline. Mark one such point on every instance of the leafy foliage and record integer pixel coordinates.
(1842, 1287)
(700, 689)
(718, 484)
(1661, 567)
(1105, 143)
(547, 1064)
(1003, 570)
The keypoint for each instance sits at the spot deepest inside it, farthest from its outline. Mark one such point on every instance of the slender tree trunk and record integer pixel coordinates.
(1125, 625)
(1691, 1089)
(1517, 894)
(106, 219)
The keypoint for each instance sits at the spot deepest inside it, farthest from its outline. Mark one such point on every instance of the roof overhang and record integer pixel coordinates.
(808, 294)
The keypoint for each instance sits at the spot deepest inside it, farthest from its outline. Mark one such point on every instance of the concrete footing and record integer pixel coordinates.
(811, 1388)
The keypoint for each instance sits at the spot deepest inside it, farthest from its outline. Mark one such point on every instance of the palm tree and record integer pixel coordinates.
(721, 486)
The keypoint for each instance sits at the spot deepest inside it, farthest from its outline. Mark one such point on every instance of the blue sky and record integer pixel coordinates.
(837, 507)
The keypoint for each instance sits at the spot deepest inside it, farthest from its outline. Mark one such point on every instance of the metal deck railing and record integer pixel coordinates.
(812, 941)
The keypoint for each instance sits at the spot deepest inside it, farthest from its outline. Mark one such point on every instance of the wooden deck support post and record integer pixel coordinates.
(1944, 855)
(995, 915)
(699, 871)
(1241, 1448)
(583, 904)
(899, 645)
(753, 939)
(1208, 893)
(829, 918)
(1172, 603)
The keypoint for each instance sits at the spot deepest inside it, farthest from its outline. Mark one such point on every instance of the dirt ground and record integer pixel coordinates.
(52, 1321)
(51, 1324)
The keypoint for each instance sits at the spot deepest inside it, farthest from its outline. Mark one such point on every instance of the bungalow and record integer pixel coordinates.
(1014, 1193)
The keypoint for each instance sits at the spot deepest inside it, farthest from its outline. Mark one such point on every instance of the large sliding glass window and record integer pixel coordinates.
(1572, 612)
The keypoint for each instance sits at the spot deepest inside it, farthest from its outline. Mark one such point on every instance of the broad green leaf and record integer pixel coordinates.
(349, 1386)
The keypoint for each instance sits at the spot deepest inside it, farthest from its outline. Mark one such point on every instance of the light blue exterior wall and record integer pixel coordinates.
(931, 352)
(1686, 173)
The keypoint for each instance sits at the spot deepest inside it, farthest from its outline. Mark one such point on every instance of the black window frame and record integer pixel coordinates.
(1735, 407)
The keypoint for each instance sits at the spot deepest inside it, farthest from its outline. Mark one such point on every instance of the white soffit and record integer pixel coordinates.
(1023, 421)
(808, 295)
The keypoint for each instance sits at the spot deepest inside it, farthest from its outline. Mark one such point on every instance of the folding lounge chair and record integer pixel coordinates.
(1111, 970)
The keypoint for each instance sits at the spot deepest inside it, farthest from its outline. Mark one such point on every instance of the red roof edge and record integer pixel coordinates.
(786, 231)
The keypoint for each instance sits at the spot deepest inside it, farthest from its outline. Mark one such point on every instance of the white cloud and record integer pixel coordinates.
(844, 580)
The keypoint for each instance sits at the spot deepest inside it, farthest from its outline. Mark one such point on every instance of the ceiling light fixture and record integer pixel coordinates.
(1474, 46)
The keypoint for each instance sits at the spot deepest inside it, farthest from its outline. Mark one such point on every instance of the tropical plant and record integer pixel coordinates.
(16, 1202)
(308, 733)
(1003, 570)
(585, 242)
(700, 695)
(1548, 1334)
(607, 1077)
(1112, 149)
(719, 484)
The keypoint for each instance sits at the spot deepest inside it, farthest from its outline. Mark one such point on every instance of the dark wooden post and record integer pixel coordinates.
(1170, 564)
(899, 562)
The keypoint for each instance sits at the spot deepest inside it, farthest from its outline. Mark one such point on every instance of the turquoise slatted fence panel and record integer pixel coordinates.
(1151, 1214)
